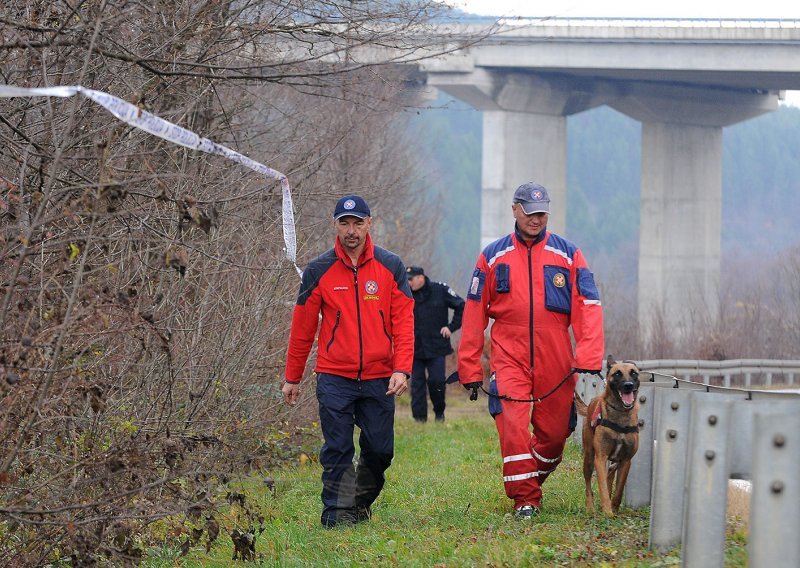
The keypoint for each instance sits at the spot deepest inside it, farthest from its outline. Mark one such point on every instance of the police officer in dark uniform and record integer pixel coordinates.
(432, 300)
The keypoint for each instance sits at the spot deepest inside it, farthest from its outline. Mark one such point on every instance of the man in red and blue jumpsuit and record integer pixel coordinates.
(534, 284)
(365, 352)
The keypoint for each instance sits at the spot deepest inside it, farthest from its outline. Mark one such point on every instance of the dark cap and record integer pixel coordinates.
(414, 271)
(351, 205)
(533, 198)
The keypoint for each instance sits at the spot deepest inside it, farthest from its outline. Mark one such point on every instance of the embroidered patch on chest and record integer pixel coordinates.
(371, 289)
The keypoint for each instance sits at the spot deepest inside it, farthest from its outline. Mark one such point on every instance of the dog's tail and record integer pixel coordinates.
(580, 405)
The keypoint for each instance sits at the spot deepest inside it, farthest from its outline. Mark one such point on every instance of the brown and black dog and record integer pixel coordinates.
(610, 434)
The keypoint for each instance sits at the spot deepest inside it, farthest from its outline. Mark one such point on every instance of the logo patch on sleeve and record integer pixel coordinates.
(476, 285)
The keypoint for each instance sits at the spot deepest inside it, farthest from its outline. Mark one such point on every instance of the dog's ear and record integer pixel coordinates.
(610, 362)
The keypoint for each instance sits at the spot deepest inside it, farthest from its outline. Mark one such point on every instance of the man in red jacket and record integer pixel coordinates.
(365, 352)
(535, 285)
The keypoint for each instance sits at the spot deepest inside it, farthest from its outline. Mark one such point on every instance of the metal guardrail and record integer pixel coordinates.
(693, 439)
(772, 371)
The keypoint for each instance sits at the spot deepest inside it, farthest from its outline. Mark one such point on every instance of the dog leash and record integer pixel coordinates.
(474, 395)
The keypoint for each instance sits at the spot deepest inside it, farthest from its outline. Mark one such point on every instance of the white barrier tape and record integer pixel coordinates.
(157, 126)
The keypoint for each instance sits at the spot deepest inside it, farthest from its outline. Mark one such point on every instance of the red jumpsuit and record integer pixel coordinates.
(534, 293)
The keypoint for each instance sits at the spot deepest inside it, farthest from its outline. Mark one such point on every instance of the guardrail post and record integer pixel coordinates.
(669, 460)
(774, 511)
(707, 483)
(587, 387)
(742, 429)
(640, 477)
(580, 390)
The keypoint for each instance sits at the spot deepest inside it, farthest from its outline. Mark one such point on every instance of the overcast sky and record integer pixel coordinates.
(755, 9)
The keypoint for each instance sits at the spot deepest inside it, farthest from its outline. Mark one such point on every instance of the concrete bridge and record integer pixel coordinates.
(684, 80)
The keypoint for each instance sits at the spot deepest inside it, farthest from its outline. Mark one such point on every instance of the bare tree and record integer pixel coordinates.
(143, 287)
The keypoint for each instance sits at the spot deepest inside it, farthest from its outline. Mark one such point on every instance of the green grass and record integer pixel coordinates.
(443, 505)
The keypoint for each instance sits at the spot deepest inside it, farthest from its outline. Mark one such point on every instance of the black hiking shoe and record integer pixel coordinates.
(526, 512)
(344, 519)
(363, 514)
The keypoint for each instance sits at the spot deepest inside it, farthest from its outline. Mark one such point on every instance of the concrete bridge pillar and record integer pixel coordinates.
(681, 196)
(520, 147)
(524, 136)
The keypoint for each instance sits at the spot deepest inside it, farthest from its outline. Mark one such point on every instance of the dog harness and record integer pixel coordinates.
(598, 420)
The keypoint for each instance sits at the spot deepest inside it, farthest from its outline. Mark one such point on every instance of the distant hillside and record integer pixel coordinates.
(761, 184)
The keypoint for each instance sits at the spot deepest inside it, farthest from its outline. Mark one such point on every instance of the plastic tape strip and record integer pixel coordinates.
(157, 126)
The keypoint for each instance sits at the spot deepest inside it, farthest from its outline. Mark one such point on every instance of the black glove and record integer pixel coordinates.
(474, 386)
(588, 371)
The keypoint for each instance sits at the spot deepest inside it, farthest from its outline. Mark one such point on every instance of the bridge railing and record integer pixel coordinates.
(693, 439)
(754, 23)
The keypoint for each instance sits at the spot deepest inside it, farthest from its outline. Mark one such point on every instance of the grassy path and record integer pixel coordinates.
(443, 505)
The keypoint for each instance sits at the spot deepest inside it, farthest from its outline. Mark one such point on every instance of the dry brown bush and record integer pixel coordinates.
(145, 294)
(758, 316)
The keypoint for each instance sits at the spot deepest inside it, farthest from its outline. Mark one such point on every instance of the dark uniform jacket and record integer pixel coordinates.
(431, 305)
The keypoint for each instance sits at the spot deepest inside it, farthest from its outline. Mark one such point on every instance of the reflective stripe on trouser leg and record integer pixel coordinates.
(550, 420)
(520, 469)
(546, 465)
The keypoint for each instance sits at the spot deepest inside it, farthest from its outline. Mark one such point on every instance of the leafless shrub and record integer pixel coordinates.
(623, 335)
(144, 295)
(758, 316)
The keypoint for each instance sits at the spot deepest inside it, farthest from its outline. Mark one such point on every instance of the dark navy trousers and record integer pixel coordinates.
(343, 404)
(433, 385)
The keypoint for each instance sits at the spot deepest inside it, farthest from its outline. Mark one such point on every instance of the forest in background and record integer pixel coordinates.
(760, 270)
(761, 186)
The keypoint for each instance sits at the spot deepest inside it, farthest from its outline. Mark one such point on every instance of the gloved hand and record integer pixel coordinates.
(474, 386)
(588, 371)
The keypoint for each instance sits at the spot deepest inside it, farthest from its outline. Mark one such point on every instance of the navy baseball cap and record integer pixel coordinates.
(533, 198)
(351, 205)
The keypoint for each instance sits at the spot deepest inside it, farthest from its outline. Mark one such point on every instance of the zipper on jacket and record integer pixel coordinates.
(358, 321)
(383, 325)
(530, 299)
(333, 332)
